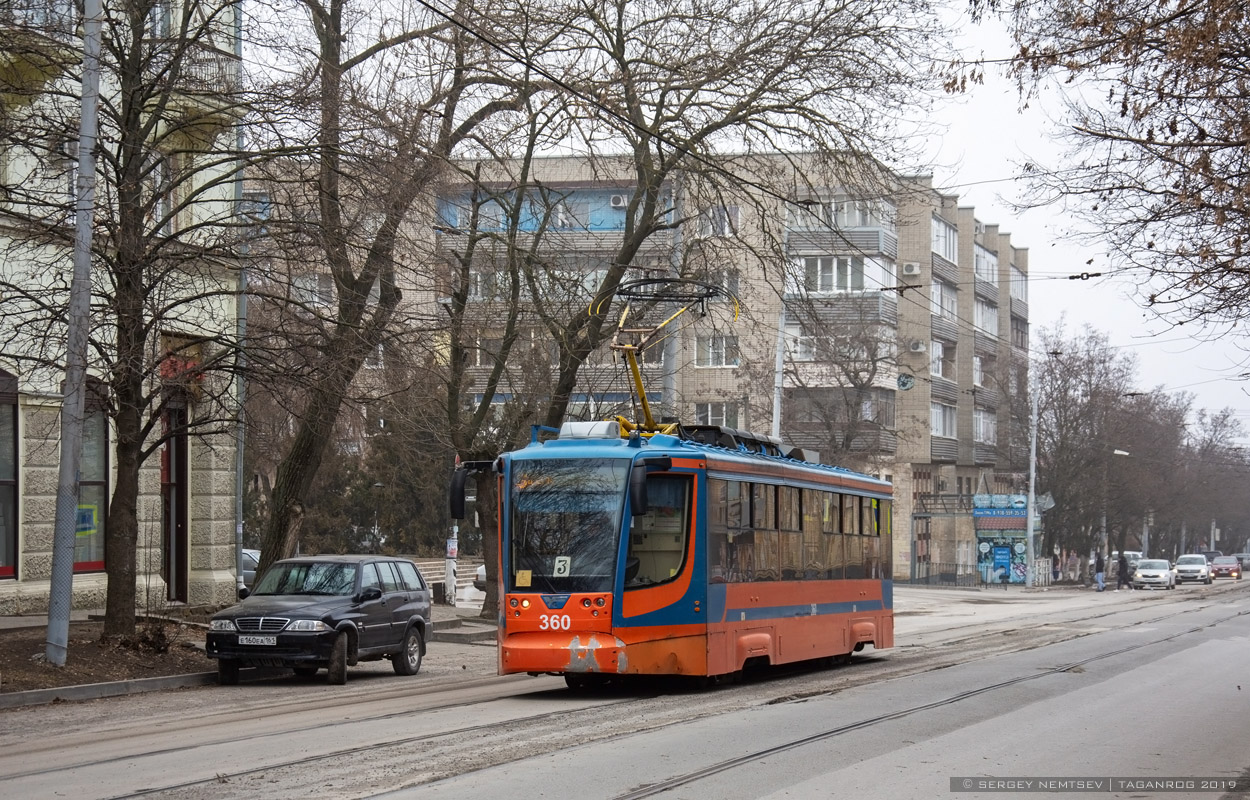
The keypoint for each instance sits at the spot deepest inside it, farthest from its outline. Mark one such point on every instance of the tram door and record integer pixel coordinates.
(659, 558)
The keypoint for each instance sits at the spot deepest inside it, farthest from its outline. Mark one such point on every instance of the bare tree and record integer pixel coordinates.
(164, 232)
(676, 86)
(390, 102)
(1156, 128)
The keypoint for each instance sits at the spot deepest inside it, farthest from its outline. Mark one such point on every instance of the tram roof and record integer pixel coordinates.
(596, 440)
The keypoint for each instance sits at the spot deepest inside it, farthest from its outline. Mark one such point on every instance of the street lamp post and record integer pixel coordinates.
(1030, 567)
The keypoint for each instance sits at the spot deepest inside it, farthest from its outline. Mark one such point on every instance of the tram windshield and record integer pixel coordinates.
(566, 523)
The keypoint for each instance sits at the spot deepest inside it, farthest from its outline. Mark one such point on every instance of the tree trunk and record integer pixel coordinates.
(121, 530)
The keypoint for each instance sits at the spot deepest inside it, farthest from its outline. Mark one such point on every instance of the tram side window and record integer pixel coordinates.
(764, 529)
(852, 542)
(813, 534)
(717, 495)
(790, 533)
(885, 529)
(657, 539)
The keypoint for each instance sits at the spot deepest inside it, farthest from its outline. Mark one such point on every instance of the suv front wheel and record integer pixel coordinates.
(408, 660)
(336, 670)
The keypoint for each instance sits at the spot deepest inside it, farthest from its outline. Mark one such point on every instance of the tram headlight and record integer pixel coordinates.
(525, 603)
(585, 602)
(512, 602)
(599, 601)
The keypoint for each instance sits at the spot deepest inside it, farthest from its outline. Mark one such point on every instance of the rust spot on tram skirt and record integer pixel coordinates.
(585, 657)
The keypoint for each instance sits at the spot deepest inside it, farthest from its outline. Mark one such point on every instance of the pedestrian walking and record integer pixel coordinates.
(1074, 566)
(1100, 574)
(1121, 578)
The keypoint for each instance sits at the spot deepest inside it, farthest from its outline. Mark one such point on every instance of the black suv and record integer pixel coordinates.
(325, 611)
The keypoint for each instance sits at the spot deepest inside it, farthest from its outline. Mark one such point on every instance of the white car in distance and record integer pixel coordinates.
(1153, 573)
(1193, 567)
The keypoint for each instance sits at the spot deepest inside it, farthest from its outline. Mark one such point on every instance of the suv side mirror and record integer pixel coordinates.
(369, 593)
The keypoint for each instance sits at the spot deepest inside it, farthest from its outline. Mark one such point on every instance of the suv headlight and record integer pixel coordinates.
(221, 625)
(307, 625)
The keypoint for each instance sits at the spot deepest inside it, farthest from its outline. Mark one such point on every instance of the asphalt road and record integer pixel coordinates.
(1047, 677)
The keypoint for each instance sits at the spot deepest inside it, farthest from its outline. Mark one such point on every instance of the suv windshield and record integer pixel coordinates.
(1151, 564)
(294, 577)
(566, 522)
(1192, 560)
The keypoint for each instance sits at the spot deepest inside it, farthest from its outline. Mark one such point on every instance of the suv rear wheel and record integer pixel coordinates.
(407, 661)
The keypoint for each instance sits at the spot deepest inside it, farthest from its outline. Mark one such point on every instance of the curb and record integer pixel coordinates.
(96, 691)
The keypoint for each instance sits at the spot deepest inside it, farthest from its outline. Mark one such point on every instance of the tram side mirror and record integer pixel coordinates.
(638, 481)
(458, 478)
(638, 490)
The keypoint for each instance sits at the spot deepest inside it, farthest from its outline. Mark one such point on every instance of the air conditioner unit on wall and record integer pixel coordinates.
(916, 346)
(618, 201)
(911, 268)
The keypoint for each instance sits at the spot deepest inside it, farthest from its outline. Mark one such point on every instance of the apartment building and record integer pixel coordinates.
(185, 505)
(885, 331)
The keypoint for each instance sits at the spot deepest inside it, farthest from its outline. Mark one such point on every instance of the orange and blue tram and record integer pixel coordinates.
(702, 553)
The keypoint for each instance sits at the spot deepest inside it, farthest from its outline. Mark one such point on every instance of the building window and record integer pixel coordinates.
(723, 414)
(942, 359)
(985, 317)
(1019, 333)
(483, 285)
(313, 288)
(8, 475)
(92, 485)
(716, 351)
(841, 211)
(570, 214)
(375, 359)
(800, 346)
(978, 370)
(487, 351)
(833, 274)
(944, 300)
(945, 240)
(942, 420)
(1019, 284)
(985, 264)
(984, 426)
(721, 221)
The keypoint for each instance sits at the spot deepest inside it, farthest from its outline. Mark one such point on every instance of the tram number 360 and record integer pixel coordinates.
(555, 622)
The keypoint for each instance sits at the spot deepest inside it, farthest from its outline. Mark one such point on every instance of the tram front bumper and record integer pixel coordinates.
(566, 651)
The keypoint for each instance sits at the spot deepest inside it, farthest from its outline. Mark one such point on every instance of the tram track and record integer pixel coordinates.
(764, 753)
(427, 757)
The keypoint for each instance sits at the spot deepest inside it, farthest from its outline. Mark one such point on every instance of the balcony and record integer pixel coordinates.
(197, 84)
(39, 44)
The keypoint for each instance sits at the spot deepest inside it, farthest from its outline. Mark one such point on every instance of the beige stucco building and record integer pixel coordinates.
(187, 500)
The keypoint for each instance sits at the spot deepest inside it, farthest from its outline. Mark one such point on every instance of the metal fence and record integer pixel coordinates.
(936, 573)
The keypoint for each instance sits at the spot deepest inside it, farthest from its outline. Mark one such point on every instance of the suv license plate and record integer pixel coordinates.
(261, 640)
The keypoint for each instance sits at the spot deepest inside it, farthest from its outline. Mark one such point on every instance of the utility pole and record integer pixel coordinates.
(61, 592)
(1032, 504)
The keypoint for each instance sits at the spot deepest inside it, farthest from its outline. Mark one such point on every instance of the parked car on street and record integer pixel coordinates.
(325, 612)
(1226, 567)
(1153, 573)
(1193, 567)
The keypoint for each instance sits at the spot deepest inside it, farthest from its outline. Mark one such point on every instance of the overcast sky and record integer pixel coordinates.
(986, 136)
